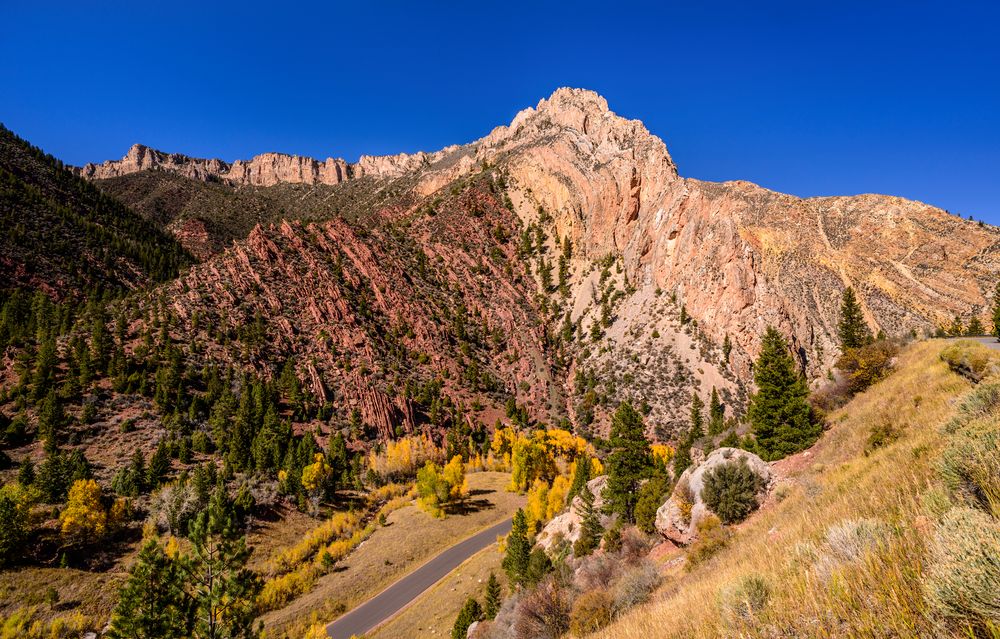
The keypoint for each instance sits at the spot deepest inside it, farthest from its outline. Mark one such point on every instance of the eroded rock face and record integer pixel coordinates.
(734, 256)
(567, 525)
(677, 519)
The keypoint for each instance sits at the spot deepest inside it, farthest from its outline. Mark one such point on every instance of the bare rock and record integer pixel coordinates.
(677, 519)
(567, 525)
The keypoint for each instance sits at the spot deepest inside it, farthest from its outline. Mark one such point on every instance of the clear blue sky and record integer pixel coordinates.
(804, 97)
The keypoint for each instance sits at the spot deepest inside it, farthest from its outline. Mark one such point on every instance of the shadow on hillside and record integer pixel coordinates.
(469, 506)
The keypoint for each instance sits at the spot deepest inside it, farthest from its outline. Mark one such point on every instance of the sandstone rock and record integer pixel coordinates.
(671, 519)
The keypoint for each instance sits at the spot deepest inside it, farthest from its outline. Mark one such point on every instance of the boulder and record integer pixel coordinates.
(566, 526)
(677, 519)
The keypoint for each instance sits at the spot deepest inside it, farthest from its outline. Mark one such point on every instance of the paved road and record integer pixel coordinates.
(384, 605)
(989, 342)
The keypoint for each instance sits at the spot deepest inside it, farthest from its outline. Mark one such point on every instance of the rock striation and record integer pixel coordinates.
(663, 269)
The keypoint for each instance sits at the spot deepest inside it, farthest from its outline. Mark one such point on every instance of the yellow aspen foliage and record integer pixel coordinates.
(432, 490)
(119, 513)
(315, 474)
(662, 452)
(565, 444)
(596, 467)
(84, 518)
(538, 504)
(402, 458)
(531, 459)
(172, 548)
(557, 496)
(503, 443)
(454, 475)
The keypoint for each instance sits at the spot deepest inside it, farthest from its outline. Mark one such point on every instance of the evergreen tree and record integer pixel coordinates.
(975, 327)
(727, 348)
(852, 329)
(151, 603)
(590, 525)
(697, 418)
(159, 466)
(14, 512)
(515, 561)
(779, 411)
(996, 312)
(581, 475)
(628, 463)
(221, 590)
(651, 496)
(494, 597)
(716, 414)
(470, 613)
(682, 456)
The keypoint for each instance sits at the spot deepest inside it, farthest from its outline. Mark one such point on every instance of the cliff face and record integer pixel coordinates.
(266, 169)
(656, 271)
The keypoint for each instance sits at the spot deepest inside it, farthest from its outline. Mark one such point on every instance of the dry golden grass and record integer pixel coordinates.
(812, 593)
(411, 538)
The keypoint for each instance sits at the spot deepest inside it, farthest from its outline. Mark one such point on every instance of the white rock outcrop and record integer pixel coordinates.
(677, 519)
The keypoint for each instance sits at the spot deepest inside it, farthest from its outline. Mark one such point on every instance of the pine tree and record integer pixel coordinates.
(682, 456)
(515, 561)
(581, 475)
(471, 612)
(716, 414)
(159, 466)
(779, 411)
(151, 603)
(221, 590)
(628, 463)
(996, 312)
(975, 327)
(697, 418)
(590, 525)
(727, 348)
(852, 329)
(494, 597)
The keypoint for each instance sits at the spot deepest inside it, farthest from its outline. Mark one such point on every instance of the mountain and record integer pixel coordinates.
(64, 236)
(658, 271)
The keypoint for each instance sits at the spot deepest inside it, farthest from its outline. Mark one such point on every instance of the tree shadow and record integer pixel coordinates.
(469, 506)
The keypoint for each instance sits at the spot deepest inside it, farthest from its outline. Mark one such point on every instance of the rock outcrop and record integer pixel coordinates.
(661, 270)
(677, 519)
(566, 526)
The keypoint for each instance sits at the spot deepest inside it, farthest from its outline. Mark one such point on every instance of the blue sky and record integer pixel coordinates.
(804, 97)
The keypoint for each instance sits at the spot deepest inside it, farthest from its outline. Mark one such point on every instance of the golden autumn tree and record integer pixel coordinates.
(454, 475)
(315, 478)
(85, 518)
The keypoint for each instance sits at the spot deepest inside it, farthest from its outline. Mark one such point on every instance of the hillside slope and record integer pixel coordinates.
(64, 236)
(849, 542)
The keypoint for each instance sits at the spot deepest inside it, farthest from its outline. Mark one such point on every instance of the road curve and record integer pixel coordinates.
(390, 601)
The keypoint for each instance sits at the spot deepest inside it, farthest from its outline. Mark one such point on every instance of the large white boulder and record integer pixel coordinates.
(677, 519)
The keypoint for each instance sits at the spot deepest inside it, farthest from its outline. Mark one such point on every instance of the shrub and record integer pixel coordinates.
(849, 541)
(865, 365)
(881, 435)
(969, 359)
(982, 401)
(542, 613)
(635, 585)
(743, 600)
(969, 466)
(651, 497)
(591, 612)
(964, 571)
(712, 537)
(730, 491)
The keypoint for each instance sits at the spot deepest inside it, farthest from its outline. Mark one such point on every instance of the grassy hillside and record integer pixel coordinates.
(65, 236)
(858, 536)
